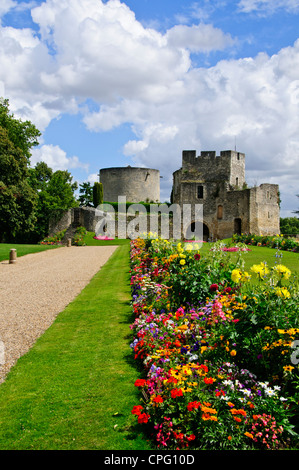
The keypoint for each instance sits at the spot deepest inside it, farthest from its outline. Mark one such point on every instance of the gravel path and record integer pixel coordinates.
(38, 287)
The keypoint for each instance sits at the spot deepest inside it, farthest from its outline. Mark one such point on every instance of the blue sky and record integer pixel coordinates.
(113, 83)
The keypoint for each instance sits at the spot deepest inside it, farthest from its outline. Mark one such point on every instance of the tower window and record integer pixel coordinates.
(199, 192)
(219, 212)
(237, 181)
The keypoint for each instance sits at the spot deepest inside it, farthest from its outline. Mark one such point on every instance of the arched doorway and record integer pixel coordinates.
(198, 231)
(238, 226)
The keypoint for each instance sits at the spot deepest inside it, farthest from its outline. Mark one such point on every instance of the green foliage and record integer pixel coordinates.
(97, 194)
(279, 241)
(17, 198)
(53, 240)
(78, 238)
(289, 226)
(23, 134)
(29, 197)
(86, 194)
(55, 196)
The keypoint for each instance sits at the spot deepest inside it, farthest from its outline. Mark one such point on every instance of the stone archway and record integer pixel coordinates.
(198, 231)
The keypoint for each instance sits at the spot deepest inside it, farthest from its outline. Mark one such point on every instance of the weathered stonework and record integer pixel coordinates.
(215, 182)
(137, 184)
(218, 183)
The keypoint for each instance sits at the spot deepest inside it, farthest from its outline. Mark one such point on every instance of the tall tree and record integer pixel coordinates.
(55, 196)
(86, 194)
(23, 134)
(17, 198)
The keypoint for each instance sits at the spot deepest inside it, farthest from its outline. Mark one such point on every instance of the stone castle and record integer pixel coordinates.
(215, 182)
(218, 183)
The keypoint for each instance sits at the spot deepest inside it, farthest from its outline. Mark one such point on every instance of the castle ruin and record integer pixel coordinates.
(215, 183)
(218, 183)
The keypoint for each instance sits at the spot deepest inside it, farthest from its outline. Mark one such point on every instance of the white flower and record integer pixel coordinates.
(269, 392)
(246, 392)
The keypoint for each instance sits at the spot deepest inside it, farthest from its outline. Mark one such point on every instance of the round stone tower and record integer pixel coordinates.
(136, 184)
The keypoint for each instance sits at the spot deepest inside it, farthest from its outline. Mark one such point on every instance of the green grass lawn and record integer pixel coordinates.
(75, 388)
(21, 249)
(89, 240)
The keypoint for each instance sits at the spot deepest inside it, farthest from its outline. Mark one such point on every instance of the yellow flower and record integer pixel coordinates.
(282, 292)
(282, 270)
(288, 368)
(245, 276)
(260, 269)
(236, 275)
(233, 352)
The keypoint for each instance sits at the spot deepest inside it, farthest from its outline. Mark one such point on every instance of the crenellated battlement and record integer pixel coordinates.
(228, 167)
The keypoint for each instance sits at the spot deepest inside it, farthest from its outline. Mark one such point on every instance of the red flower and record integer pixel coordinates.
(197, 256)
(143, 418)
(158, 399)
(140, 383)
(193, 405)
(137, 410)
(209, 380)
(176, 392)
(214, 287)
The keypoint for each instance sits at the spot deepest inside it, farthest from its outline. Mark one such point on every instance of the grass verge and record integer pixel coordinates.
(22, 249)
(75, 388)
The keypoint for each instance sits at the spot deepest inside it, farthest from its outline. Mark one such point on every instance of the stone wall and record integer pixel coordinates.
(217, 183)
(137, 184)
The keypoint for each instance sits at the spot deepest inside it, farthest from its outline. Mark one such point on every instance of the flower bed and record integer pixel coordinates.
(218, 359)
(279, 241)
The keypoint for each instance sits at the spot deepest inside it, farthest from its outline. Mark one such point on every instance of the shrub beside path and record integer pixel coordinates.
(35, 289)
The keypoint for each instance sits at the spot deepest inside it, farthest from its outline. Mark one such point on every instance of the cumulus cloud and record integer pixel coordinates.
(137, 75)
(56, 158)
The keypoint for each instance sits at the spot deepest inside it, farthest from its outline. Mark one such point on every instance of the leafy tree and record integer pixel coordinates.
(23, 134)
(39, 176)
(17, 198)
(29, 197)
(55, 196)
(86, 194)
(289, 225)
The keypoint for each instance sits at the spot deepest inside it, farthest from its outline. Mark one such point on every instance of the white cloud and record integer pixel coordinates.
(198, 38)
(93, 178)
(6, 6)
(269, 6)
(55, 158)
(134, 74)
